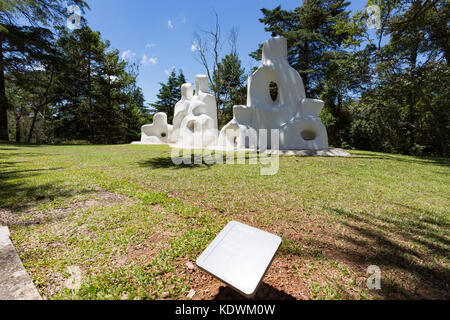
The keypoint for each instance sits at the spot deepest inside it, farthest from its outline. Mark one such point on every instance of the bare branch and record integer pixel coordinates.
(232, 39)
(207, 48)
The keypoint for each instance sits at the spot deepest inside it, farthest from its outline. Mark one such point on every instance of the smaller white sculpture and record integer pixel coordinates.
(199, 127)
(181, 110)
(195, 120)
(158, 132)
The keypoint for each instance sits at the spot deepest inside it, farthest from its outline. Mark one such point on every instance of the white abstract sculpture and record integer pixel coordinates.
(194, 123)
(158, 132)
(295, 116)
(198, 128)
(181, 110)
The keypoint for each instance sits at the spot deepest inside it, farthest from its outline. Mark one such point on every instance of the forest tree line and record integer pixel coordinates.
(384, 91)
(63, 86)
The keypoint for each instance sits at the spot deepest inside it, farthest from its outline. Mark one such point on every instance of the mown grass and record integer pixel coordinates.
(337, 216)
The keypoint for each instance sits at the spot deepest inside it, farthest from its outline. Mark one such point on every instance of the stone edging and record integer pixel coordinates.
(15, 282)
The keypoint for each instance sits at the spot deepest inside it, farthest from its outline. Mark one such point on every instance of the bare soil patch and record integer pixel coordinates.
(35, 216)
(280, 283)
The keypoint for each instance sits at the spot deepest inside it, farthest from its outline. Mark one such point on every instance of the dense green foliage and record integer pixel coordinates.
(99, 99)
(25, 40)
(62, 86)
(230, 82)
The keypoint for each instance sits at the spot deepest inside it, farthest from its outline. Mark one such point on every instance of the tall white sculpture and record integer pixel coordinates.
(295, 116)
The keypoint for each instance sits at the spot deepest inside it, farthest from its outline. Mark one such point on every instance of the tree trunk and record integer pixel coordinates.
(33, 123)
(305, 57)
(91, 125)
(3, 100)
(18, 131)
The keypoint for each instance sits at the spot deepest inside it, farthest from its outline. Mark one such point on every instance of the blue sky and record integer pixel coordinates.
(159, 34)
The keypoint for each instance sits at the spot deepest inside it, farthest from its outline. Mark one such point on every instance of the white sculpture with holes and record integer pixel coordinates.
(198, 128)
(295, 116)
(181, 110)
(158, 132)
(194, 123)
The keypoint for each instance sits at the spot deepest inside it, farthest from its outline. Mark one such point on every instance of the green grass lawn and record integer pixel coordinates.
(131, 220)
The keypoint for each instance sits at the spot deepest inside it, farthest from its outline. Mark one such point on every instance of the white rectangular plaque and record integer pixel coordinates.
(240, 256)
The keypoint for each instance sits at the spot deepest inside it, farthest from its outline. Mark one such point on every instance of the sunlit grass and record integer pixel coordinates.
(336, 216)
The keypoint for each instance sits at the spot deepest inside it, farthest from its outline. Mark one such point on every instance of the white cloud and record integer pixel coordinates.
(194, 47)
(128, 55)
(170, 24)
(173, 68)
(146, 61)
(169, 71)
(150, 45)
(38, 67)
(183, 20)
(113, 78)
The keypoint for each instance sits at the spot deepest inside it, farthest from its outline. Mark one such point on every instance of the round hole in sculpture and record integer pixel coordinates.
(191, 126)
(308, 135)
(163, 135)
(273, 89)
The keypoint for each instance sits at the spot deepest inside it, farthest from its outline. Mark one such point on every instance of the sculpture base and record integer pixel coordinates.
(150, 143)
(331, 152)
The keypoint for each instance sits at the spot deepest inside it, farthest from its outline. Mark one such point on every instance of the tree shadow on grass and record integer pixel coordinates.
(265, 292)
(8, 145)
(18, 193)
(406, 249)
(168, 163)
(443, 162)
(195, 162)
(7, 156)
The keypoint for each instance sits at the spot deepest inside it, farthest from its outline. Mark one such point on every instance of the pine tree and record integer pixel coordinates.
(231, 85)
(311, 31)
(169, 95)
(99, 99)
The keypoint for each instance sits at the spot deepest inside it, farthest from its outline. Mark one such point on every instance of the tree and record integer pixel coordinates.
(347, 74)
(19, 102)
(226, 76)
(20, 43)
(99, 99)
(410, 83)
(207, 45)
(231, 85)
(40, 86)
(311, 30)
(169, 95)
(81, 76)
